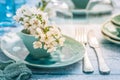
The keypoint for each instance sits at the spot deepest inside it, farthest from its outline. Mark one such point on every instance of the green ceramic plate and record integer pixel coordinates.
(116, 20)
(111, 30)
(13, 47)
(110, 38)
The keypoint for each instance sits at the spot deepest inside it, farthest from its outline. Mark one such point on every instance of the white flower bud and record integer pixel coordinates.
(37, 44)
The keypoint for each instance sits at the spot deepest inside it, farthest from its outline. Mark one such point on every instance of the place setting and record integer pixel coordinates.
(38, 45)
(42, 45)
(29, 46)
(40, 48)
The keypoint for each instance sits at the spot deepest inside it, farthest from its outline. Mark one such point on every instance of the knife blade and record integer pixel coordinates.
(93, 42)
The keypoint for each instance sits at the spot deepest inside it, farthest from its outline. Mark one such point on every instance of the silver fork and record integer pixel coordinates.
(81, 36)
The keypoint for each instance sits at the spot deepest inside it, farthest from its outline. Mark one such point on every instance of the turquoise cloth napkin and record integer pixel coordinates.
(10, 70)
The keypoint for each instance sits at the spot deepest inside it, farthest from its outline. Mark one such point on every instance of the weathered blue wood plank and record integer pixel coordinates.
(111, 55)
(76, 69)
(75, 77)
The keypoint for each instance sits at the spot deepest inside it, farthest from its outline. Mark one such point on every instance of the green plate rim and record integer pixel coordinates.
(108, 33)
(110, 39)
(114, 21)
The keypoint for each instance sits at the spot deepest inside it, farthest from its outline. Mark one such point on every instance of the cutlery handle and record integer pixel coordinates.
(87, 67)
(103, 68)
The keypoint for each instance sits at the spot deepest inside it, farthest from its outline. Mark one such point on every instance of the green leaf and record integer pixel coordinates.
(26, 31)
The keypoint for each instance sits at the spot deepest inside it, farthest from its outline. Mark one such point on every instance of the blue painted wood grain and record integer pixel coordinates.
(74, 71)
(75, 77)
(111, 54)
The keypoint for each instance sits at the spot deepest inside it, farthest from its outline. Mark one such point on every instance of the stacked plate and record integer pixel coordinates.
(111, 29)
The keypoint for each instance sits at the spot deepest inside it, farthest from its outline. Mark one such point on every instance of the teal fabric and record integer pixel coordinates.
(10, 70)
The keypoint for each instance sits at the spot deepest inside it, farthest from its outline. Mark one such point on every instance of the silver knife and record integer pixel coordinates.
(93, 42)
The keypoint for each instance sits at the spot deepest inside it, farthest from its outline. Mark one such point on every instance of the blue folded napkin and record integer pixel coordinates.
(10, 70)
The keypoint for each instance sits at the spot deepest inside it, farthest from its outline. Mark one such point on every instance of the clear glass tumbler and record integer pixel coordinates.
(7, 11)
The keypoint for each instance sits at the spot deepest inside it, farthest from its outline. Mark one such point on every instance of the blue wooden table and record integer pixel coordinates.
(111, 54)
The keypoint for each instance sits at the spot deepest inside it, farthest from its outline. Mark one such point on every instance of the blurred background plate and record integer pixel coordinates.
(110, 39)
(116, 20)
(111, 30)
(93, 7)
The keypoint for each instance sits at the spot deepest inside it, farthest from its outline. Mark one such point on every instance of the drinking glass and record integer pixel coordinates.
(7, 11)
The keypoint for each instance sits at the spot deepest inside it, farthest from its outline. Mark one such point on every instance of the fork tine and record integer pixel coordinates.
(80, 34)
(85, 35)
(78, 31)
(76, 34)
